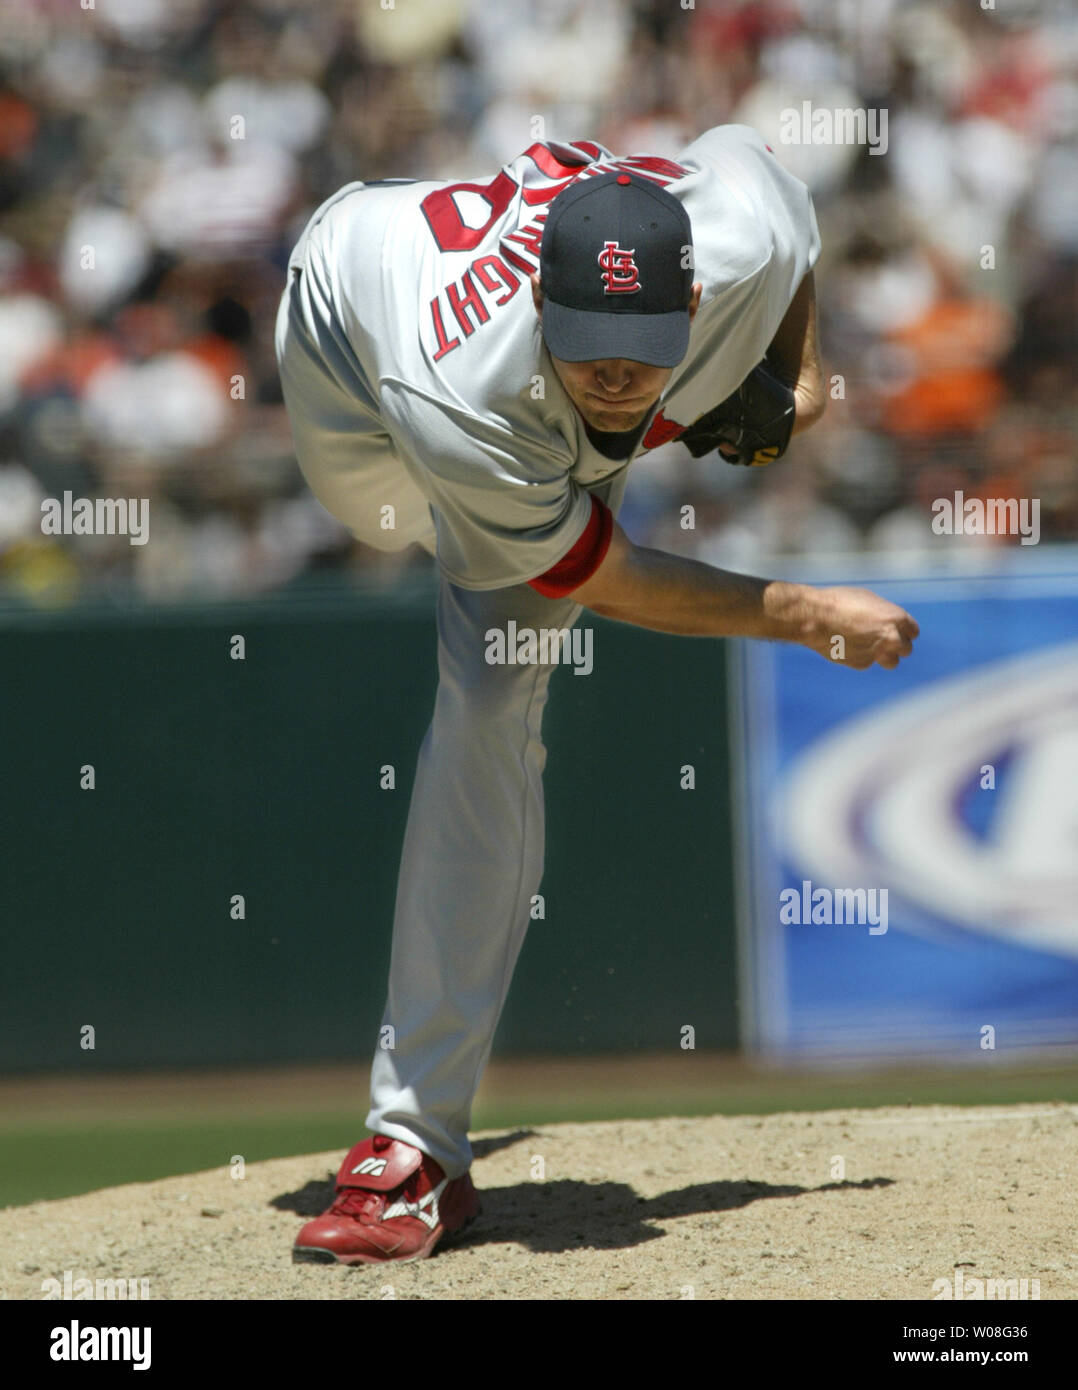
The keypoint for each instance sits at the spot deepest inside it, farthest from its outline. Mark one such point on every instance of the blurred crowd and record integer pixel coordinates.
(158, 159)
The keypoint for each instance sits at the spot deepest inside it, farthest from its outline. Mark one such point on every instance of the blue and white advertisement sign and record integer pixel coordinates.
(909, 865)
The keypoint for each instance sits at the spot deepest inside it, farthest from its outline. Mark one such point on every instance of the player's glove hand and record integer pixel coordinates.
(751, 427)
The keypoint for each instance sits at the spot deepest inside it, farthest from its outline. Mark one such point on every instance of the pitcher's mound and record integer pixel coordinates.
(893, 1203)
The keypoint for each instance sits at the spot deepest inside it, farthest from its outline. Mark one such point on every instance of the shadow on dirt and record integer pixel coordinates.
(561, 1215)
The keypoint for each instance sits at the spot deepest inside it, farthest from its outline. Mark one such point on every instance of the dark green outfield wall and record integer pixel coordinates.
(260, 777)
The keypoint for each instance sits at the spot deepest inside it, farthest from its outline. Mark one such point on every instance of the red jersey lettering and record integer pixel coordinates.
(468, 300)
(482, 269)
(530, 237)
(444, 344)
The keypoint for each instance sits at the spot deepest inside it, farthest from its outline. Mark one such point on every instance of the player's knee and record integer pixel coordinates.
(495, 696)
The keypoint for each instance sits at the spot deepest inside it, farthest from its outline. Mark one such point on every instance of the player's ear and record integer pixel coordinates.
(537, 293)
(694, 302)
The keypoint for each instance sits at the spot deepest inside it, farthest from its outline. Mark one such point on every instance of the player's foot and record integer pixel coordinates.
(393, 1202)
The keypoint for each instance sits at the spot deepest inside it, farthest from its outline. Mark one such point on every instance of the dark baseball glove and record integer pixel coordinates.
(751, 427)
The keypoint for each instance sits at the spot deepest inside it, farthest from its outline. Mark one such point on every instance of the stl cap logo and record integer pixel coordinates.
(620, 272)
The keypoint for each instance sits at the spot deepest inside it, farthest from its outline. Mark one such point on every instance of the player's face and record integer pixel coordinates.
(612, 393)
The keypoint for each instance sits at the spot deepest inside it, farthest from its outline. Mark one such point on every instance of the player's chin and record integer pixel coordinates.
(615, 421)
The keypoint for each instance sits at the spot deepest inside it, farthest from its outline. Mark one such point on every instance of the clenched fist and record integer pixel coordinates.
(857, 628)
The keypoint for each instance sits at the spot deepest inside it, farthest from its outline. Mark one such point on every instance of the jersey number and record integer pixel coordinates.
(444, 219)
(443, 215)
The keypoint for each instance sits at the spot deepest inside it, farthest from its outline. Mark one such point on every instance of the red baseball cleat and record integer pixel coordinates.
(393, 1202)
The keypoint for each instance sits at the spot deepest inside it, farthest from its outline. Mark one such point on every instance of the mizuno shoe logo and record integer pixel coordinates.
(374, 1166)
(403, 1208)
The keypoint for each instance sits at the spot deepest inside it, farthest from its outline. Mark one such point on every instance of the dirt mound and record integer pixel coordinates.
(842, 1204)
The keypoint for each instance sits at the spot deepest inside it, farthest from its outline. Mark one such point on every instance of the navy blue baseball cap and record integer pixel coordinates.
(615, 272)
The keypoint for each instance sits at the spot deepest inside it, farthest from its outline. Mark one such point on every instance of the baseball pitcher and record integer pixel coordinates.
(473, 367)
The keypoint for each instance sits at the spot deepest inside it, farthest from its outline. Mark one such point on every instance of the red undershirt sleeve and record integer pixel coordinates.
(581, 562)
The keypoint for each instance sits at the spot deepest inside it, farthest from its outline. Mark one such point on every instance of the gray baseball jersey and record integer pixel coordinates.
(417, 296)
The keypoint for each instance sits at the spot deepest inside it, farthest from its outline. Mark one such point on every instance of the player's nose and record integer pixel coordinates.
(613, 375)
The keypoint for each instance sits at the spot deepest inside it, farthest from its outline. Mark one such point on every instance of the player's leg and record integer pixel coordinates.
(342, 447)
(472, 859)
